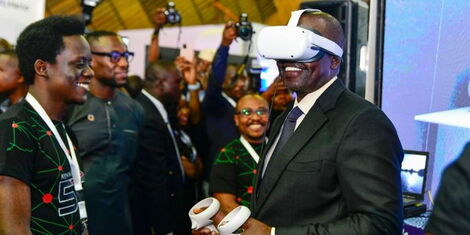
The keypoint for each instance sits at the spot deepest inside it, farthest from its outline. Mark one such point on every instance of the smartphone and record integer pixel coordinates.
(187, 52)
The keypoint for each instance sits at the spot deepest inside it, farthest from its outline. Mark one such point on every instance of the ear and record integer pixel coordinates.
(335, 62)
(40, 68)
(235, 118)
(20, 78)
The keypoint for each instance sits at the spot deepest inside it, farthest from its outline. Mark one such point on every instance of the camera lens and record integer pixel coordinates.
(172, 15)
(244, 28)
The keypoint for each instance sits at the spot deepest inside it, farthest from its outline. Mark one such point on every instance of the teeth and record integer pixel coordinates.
(84, 85)
(255, 126)
(292, 69)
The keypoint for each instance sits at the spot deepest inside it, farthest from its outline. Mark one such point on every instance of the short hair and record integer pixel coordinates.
(334, 31)
(10, 53)
(43, 40)
(94, 36)
(155, 69)
(254, 96)
(4, 45)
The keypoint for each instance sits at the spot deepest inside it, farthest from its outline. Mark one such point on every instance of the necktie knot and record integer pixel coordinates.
(288, 127)
(294, 114)
(287, 130)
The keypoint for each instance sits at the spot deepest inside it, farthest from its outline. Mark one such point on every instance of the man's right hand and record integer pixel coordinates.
(229, 34)
(159, 18)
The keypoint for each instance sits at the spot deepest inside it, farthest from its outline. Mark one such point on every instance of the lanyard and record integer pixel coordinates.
(250, 149)
(72, 158)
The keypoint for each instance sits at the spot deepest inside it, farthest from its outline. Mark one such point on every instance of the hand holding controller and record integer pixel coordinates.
(203, 219)
(234, 220)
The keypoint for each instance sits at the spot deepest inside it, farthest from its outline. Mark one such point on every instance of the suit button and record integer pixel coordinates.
(172, 195)
(170, 172)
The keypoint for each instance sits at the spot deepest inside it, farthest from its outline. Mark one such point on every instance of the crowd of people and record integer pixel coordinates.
(85, 147)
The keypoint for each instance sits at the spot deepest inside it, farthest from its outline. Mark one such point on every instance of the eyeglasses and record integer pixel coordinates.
(116, 55)
(248, 112)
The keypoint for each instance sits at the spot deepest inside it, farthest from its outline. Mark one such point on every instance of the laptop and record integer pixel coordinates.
(413, 177)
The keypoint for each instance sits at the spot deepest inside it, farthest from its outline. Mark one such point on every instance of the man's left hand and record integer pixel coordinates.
(255, 227)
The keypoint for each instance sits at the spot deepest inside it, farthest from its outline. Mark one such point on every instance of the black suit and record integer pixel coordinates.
(339, 173)
(157, 182)
(452, 205)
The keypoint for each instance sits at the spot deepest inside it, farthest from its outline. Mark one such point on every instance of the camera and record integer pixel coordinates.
(171, 14)
(87, 9)
(244, 27)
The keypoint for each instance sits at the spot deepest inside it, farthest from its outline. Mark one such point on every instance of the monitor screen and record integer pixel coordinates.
(425, 77)
(413, 172)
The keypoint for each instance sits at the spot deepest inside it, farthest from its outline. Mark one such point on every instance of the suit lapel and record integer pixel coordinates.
(275, 126)
(311, 124)
(151, 108)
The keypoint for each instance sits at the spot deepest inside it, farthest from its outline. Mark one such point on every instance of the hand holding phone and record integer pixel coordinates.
(187, 52)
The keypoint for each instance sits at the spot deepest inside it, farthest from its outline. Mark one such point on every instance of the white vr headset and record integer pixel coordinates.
(293, 43)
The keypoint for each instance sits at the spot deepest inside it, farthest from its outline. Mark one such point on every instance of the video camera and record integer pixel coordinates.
(244, 27)
(172, 15)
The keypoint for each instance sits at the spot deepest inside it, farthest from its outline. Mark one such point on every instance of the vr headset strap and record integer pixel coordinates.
(295, 16)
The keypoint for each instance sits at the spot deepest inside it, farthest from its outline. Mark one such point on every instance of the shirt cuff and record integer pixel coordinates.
(194, 87)
(273, 231)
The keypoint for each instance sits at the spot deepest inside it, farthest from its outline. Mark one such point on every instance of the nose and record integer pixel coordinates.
(87, 73)
(122, 62)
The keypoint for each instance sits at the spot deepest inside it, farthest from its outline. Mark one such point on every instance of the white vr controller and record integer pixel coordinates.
(234, 220)
(203, 219)
(228, 225)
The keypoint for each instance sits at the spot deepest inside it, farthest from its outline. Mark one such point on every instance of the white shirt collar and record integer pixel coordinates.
(157, 104)
(230, 100)
(309, 100)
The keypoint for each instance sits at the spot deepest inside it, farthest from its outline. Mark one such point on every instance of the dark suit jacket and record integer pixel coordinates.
(157, 183)
(452, 205)
(339, 173)
(218, 111)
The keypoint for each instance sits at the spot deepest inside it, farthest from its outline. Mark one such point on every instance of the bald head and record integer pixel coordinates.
(324, 24)
(249, 97)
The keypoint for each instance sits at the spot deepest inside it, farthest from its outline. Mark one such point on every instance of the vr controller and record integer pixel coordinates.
(293, 43)
(229, 225)
(203, 219)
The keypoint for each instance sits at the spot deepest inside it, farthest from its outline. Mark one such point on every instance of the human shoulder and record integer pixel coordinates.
(235, 143)
(130, 102)
(77, 112)
(20, 113)
(229, 150)
(459, 171)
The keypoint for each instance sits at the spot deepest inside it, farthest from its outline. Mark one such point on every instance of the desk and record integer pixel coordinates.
(455, 117)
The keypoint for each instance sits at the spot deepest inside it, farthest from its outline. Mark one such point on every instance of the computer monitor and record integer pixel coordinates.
(413, 173)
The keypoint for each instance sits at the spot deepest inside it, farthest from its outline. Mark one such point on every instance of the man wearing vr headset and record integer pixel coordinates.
(339, 171)
(107, 127)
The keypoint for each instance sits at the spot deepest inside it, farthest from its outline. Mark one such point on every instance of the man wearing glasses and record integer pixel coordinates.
(107, 127)
(234, 171)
